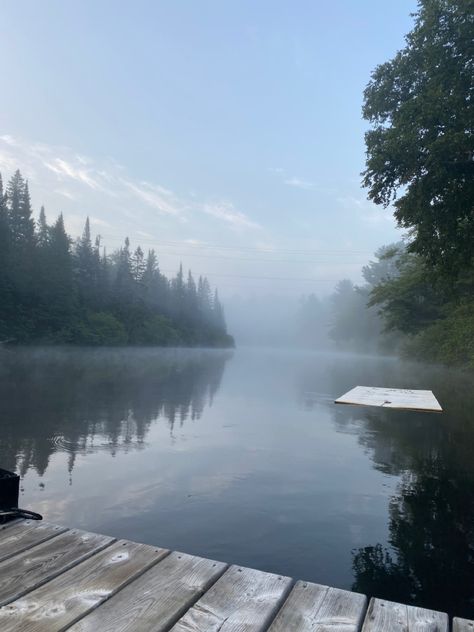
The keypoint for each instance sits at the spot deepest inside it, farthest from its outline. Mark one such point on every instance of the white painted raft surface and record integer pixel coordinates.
(401, 398)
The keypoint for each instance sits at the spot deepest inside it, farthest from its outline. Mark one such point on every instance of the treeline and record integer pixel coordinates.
(347, 318)
(56, 290)
(420, 159)
(404, 305)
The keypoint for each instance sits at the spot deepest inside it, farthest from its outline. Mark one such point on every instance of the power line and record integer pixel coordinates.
(269, 250)
(265, 278)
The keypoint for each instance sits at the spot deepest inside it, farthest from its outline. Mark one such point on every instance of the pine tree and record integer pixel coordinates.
(86, 268)
(191, 299)
(50, 293)
(19, 211)
(57, 290)
(43, 235)
(204, 300)
(218, 313)
(123, 273)
(6, 299)
(138, 265)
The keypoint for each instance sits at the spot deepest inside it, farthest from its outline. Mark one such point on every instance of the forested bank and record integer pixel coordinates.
(54, 290)
(418, 295)
(403, 306)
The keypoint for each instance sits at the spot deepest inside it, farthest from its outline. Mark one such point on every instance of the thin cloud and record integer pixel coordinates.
(105, 188)
(65, 193)
(156, 197)
(299, 183)
(226, 212)
(64, 169)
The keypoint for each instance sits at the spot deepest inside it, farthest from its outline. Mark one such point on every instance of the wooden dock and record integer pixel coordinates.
(53, 578)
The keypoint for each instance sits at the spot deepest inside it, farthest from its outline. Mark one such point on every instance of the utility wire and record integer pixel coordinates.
(315, 251)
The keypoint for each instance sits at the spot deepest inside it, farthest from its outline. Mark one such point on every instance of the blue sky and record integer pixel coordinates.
(226, 134)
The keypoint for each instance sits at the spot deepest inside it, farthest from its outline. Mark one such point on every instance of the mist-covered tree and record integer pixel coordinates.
(50, 292)
(43, 235)
(420, 148)
(19, 212)
(6, 302)
(434, 314)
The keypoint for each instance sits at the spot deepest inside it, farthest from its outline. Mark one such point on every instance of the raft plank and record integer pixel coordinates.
(388, 616)
(315, 608)
(400, 398)
(73, 594)
(157, 599)
(37, 565)
(25, 534)
(462, 625)
(242, 599)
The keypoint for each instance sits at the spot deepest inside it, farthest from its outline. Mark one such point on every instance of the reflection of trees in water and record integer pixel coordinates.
(80, 401)
(430, 561)
(431, 528)
(430, 558)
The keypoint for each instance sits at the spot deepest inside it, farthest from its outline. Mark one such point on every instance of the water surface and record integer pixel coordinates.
(243, 457)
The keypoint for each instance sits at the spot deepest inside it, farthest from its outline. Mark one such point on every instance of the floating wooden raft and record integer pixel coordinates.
(401, 398)
(53, 579)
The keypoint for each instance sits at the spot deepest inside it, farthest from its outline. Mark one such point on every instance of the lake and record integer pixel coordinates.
(242, 456)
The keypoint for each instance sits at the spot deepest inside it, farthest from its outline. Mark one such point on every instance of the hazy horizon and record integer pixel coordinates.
(222, 136)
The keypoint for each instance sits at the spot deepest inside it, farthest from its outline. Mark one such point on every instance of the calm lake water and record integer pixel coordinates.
(243, 457)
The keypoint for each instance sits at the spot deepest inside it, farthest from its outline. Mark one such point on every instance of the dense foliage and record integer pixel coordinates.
(421, 142)
(405, 306)
(421, 148)
(55, 291)
(435, 316)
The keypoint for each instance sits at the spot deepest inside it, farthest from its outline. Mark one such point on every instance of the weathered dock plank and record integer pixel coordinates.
(65, 599)
(243, 599)
(37, 565)
(23, 535)
(462, 625)
(54, 579)
(388, 616)
(315, 608)
(157, 599)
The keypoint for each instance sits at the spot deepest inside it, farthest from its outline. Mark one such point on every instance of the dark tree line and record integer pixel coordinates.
(56, 290)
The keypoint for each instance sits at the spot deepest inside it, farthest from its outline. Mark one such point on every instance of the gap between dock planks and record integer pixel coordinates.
(62, 601)
(242, 599)
(22, 535)
(462, 625)
(157, 599)
(389, 616)
(311, 607)
(60, 579)
(35, 566)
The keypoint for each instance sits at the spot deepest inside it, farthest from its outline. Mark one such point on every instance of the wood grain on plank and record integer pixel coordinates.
(388, 616)
(315, 608)
(39, 564)
(157, 599)
(462, 625)
(242, 600)
(73, 594)
(24, 534)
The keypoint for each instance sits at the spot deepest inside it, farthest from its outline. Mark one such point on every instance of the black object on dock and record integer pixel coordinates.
(9, 490)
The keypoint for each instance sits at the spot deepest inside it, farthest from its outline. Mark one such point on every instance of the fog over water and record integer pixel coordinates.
(184, 175)
(242, 456)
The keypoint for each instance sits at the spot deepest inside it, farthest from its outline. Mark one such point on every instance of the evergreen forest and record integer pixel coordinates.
(56, 290)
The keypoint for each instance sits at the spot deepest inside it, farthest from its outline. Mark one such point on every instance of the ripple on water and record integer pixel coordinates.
(60, 443)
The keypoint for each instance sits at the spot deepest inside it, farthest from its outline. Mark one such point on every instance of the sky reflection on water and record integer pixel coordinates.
(242, 456)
